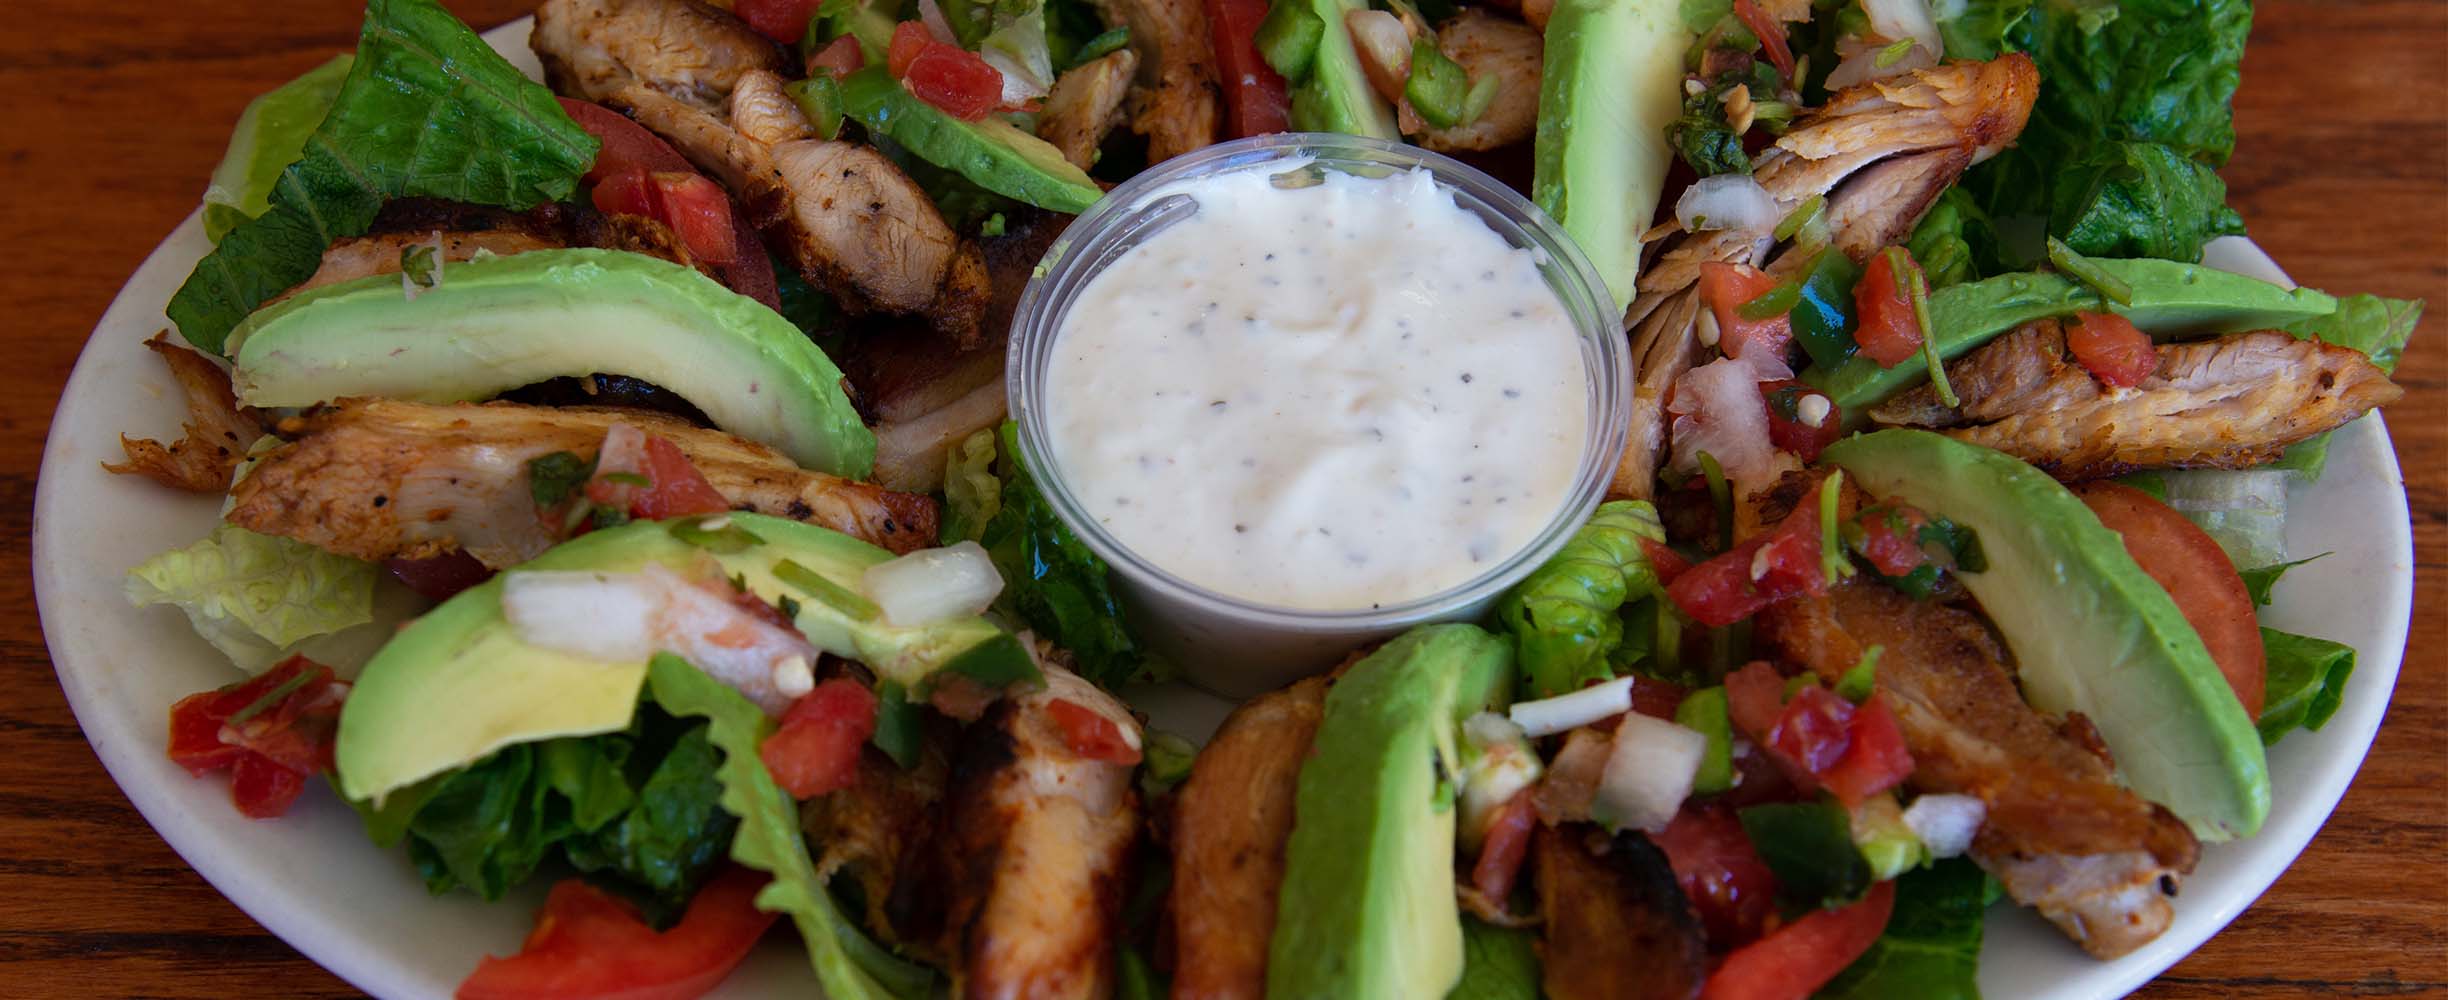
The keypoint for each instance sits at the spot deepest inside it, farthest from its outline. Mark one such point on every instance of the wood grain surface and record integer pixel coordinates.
(115, 119)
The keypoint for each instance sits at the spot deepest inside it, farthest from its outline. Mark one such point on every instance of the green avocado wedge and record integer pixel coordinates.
(497, 323)
(994, 153)
(1612, 82)
(1367, 906)
(2090, 632)
(2170, 300)
(459, 683)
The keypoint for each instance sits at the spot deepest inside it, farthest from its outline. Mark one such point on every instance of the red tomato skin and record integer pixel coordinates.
(626, 145)
(1667, 562)
(1884, 324)
(1875, 758)
(1090, 734)
(272, 753)
(1720, 872)
(1255, 96)
(679, 490)
(2188, 564)
(439, 578)
(1790, 433)
(840, 57)
(1771, 34)
(2111, 348)
(816, 749)
(955, 81)
(262, 789)
(1891, 538)
(1724, 288)
(700, 213)
(1755, 696)
(1802, 956)
(1508, 842)
(1814, 730)
(590, 945)
(909, 38)
(784, 21)
(1657, 699)
(1724, 590)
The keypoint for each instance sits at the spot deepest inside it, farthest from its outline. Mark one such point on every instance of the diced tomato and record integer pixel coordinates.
(1786, 428)
(1891, 538)
(784, 21)
(1755, 695)
(954, 80)
(2197, 575)
(1090, 734)
(1656, 698)
(816, 749)
(1720, 872)
(1875, 758)
(695, 208)
(2111, 348)
(439, 578)
(909, 38)
(1507, 843)
(1802, 956)
(1771, 34)
(1724, 288)
(1255, 101)
(840, 57)
(679, 490)
(1667, 562)
(271, 732)
(1813, 731)
(1771, 566)
(1884, 324)
(590, 945)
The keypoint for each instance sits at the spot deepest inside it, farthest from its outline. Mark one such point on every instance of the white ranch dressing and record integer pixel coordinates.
(1334, 397)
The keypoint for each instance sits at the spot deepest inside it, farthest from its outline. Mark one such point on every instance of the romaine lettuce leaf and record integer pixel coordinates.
(1053, 582)
(848, 964)
(271, 132)
(428, 111)
(1931, 948)
(1564, 616)
(972, 494)
(256, 597)
(2376, 326)
(1498, 963)
(2306, 682)
(1978, 29)
(2139, 199)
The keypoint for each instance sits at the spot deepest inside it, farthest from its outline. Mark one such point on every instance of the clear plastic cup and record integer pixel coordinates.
(1232, 646)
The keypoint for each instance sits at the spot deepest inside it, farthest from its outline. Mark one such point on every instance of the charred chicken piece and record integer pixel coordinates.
(219, 431)
(2231, 402)
(1231, 822)
(1176, 104)
(379, 479)
(1617, 925)
(1086, 104)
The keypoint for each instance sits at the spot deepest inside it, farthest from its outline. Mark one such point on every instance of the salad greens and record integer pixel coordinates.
(1051, 580)
(1931, 948)
(256, 597)
(428, 111)
(1563, 616)
(2306, 682)
(1498, 963)
(270, 135)
(1809, 846)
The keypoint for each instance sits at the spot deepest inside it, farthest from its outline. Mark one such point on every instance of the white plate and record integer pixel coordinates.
(313, 878)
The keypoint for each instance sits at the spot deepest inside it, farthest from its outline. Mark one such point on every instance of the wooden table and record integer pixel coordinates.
(114, 121)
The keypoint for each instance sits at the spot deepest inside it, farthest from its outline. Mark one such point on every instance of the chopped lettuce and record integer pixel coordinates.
(972, 494)
(428, 111)
(1498, 963)
(1955, 242)
(2260, 580)
(256, 597)
(1052, 582)
(271, 132)
(1931, 947)
(1978, 29)
(1564, 615)
(2306, 682)
(2139, 199)
(849, 965)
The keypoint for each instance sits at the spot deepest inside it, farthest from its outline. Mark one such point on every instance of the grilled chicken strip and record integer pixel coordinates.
(1510, 52)
(1038, 844)
(877, 832)
(1176, 104)
(1617, 925)
(1880, 152)
(219, 431)
(2062, 835)
(378, 478)
(1230, 823)
(1086, 104)
(2230, 403)
(840, 212)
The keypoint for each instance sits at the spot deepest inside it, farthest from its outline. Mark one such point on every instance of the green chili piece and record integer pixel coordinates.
(826, 592)
(1772, 303)
(2080, 268)
(1803, 215)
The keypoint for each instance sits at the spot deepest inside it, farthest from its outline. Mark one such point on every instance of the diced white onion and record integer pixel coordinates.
(1718, 409)
(1549, 716)
(1727, 201)
(1900, 19)
(1500, 764)
(597, 616)
(1384, 48)
(1648, 774)
(1863, 66)
(933, 585)
(1945, 823)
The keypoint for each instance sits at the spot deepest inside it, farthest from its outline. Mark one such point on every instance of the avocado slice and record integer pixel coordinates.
(1334, 93)
(2170, 300)
(1367, 905)
(1611, 84)
(990, 151)
(497, 323)
(459, 683)
(2090, 632)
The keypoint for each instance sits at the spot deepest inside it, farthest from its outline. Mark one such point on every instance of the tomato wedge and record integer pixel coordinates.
(1884, 324)
(589, 945)
(1255, 102)
(816, 749)
(2194, 571)
(1802, 956)
(2111, 348)
(1090, 734)
(1508, 842)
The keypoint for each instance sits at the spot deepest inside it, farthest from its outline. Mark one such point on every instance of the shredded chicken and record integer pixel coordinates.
(1038, 840)
(2062, 834)
(2231, 402)
(1230, 824)
(219, 431)
(1880, 153)
(1617, 925)
(1086, 103)
(377, 479)
(1511, 53)
(1176, 104)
